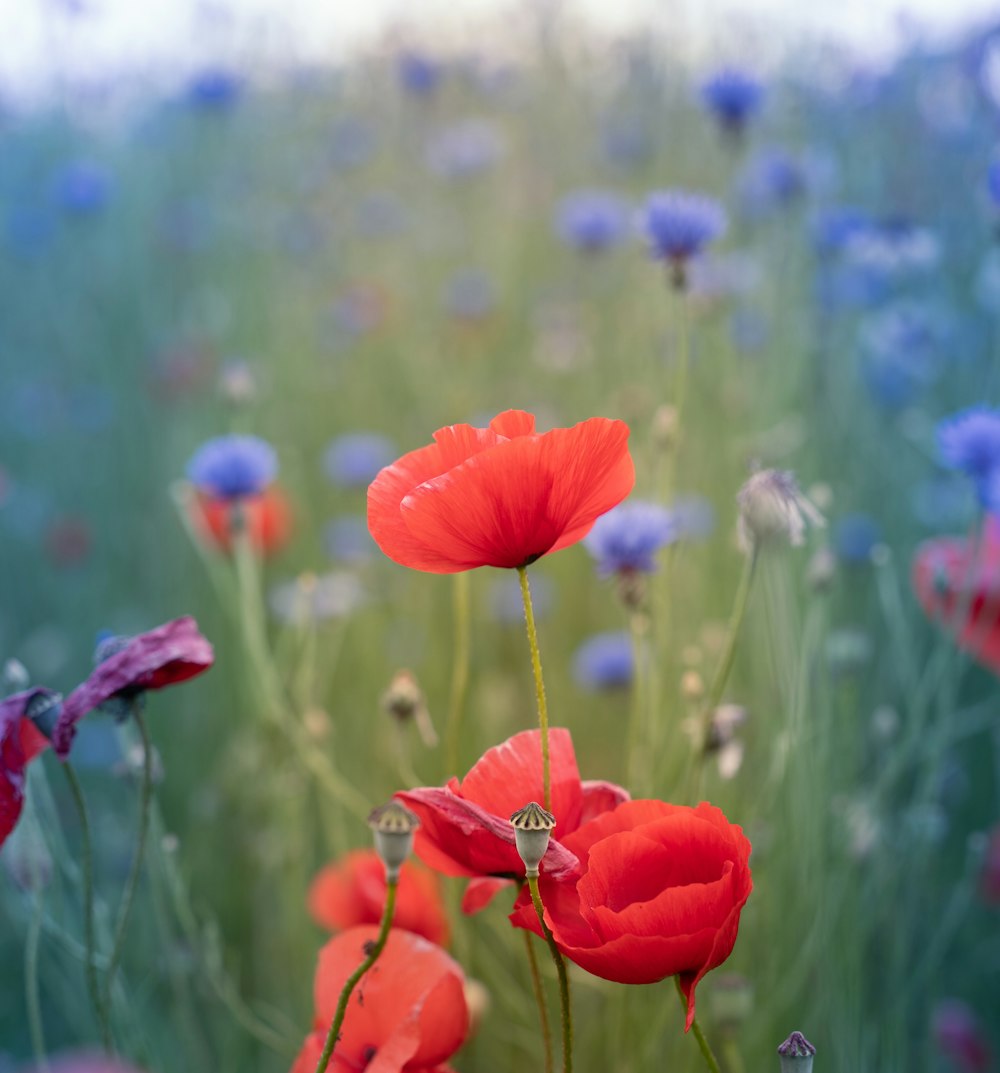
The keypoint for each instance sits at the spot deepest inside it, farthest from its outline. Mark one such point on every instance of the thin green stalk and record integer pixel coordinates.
(536, 666)
(706, 1052)
(87, 865)
(736, 617)
(543, 1013)
(634, 732)
(36, 1026)
(564, 1006)
(459, 670)
(352, 981)
(680, 386)
(142, 830)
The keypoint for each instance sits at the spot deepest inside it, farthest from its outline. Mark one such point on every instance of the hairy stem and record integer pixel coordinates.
(536, 666)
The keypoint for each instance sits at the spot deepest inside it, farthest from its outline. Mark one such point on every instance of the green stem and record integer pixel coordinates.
(36, 1026)
(459, 670)
(564, 1006)
(732, 634)
(352, 981)
(543, 1013)
(634, 733)
(680, 387)
(131, 884)
(87, 865)
(536, 666)
(706, 1052)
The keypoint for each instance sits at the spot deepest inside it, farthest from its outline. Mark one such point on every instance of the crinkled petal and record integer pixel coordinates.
(480, 891)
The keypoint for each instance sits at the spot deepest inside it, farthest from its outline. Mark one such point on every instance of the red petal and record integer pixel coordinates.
(600, 797)
(480, 892)
(513, 423)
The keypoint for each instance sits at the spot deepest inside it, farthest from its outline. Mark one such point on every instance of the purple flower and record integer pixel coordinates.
(959, 1035)
(628, 537)
(969, 441)
(592, 220)
(354, 459)
(733, 96)
(418, 73)
(169, 654)
(680, 225)
(232, 467)
(604, 661)
(214, 88)
(82, 188)
(854, 536)
(464, 150)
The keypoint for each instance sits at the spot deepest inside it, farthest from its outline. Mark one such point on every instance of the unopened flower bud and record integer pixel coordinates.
(773, 510)
(43, 710)
(796, 1054)
(14, 676)
(532, 827)
(404, 700)
(393, 825)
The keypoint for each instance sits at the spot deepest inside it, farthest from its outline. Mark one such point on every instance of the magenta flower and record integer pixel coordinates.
(169, 654)
(20, 743)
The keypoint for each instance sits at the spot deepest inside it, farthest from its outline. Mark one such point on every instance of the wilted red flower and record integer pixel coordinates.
(169, 654)
(959, 1035)
(958, 583)
(409, 1012)
(658, 893)
(267, 517)
(499, 496)
(20, 743)
(465, 826)
(352, 891)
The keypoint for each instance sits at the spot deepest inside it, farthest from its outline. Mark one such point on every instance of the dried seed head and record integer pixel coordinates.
(393, 825)
(796, 1054)
(774, 510)
(532, 827)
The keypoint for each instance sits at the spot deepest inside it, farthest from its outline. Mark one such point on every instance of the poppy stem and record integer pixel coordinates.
(706, 1052)
(128, 895)
(36, 1026)
(352, 981)
(87, 866)
(733, 632)
(536, 666)
(680, 385)
(543, 1013)
(564, 1006)
(459, 670)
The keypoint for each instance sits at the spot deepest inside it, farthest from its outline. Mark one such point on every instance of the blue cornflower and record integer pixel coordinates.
(833, 228)
(353, 460)
(733, 96)
(854, 536)
(464, 150)
(969, 441)
(214, 88)
(628, 537)
(993, 181)
(418, 73)
(82, 188)
(679, 225)
(604, 661)
(230, 467)
(773, 179)
(592, 220)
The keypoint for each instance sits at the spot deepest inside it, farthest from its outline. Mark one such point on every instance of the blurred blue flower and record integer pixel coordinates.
(772, 179)
(969, 441)
(347, 538)
(854, 536)
(628, 537)
(833, 228)
(902, 351)
(464, 150)
(695, 517)
(679, 225)
(733, 96)
(214, 88)
(28, 230)
(942, 503)
(469, 295)
(506, 603)
(354, 459)
(230, 467)
(82, 188)
(895, 247)
(604, 661)
(592, 220)
(418, 73)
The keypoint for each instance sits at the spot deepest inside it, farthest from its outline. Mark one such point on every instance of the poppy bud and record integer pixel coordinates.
(393, 825)
(532, 827)
(774, 510)
(404, 700)
(796, 1054)
(43, 710)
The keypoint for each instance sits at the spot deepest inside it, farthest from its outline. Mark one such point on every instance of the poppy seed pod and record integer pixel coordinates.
(532, 828)
(796, 1054)
(393, 825)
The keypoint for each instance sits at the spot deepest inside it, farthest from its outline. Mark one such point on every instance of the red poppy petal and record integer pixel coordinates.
(600, 797)
(513, 423)
(20, 742)
(480, 892)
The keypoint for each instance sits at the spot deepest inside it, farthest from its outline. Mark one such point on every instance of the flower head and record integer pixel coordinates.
(959, 1035)
(20, 743)
(657, 892)
(679, 225)
(501, 496)
(969, 441)
(233, 467)
(628, 537)
(82, 188)
(733, 96)
(773, 509)
(266, 519)
(592, 220)
(605, 661)
(353, 460)
(419, 74)
(410, 1013)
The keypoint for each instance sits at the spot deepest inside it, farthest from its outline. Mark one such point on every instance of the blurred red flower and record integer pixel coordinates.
(408, 1013)
(989, 877)
(268, 518)
(169, 654)
(658, 893)
(20, 743)
(958, 584)
(499, 496)
(352, 891)
(465, 826)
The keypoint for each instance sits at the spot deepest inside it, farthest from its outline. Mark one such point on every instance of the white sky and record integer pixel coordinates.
(44, 42)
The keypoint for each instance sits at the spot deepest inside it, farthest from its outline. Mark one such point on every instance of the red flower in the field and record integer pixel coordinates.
(658, 893)
(408, 1012)
(499, 496)
(169, 654)
(20, 743)
(352, 891)
(958, 584)
(267, 517)
(465, 826)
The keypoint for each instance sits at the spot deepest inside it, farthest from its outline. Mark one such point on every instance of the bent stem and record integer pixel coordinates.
(36, 1026)
(87, 865)
(352, 981)
(706, 1052)
(128, 896)
(536, 666)
(459, 670)
(564, 1007)
(543, 1013)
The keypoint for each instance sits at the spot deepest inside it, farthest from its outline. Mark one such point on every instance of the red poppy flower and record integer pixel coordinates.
(352, 891)
(408, 1012)
(268, 518)
(498, 496)
(465, 826)
(958, 583)
(86, 1062)
(20, 743)
(658, 893)
(169, 654)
